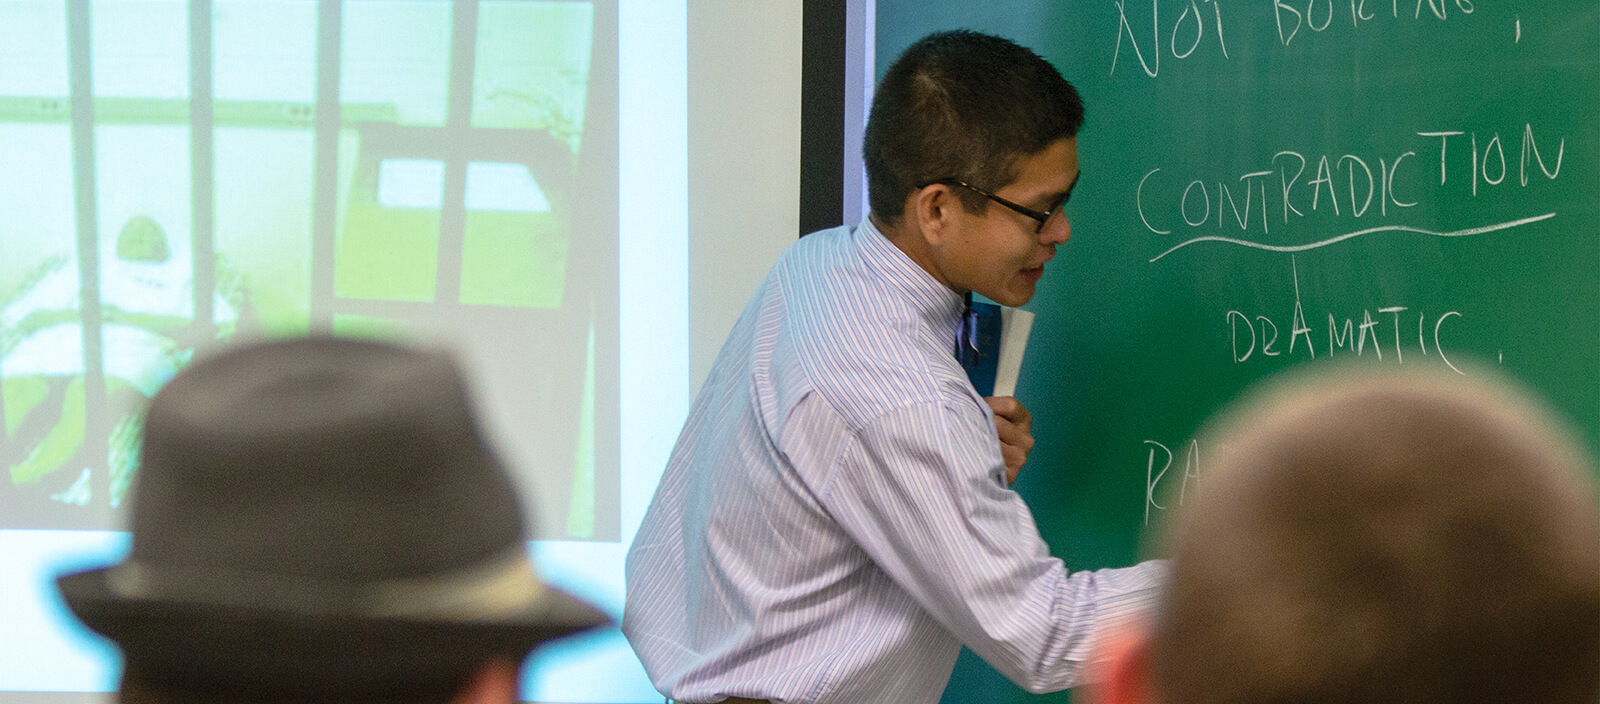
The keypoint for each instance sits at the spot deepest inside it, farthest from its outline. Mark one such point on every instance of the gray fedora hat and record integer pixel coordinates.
(321, 515)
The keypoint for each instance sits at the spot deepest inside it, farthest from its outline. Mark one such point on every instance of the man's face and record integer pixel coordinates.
(1000, 253)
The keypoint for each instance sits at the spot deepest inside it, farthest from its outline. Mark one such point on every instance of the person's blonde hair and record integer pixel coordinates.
(1385, 538)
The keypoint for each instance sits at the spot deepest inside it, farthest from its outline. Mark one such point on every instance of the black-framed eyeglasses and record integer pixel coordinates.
(1038, 216)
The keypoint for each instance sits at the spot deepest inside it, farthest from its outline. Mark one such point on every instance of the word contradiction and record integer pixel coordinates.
(1347, 186)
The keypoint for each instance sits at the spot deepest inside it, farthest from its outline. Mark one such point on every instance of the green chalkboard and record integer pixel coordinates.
(1275, 183)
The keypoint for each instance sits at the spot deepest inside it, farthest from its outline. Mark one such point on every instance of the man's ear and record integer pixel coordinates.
(933, 207)
(494, 683)
(1123, 671)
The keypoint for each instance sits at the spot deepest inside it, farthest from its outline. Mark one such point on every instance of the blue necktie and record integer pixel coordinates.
(967, 335)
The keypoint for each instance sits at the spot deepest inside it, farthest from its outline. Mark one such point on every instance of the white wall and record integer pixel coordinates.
(744, 158)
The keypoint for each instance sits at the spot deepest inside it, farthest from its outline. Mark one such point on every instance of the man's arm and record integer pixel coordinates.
(918, 489)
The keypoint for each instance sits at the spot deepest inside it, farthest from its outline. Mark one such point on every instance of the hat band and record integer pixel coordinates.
(499, 587)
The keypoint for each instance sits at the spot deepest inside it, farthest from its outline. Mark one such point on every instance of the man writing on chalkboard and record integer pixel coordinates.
(835, 520)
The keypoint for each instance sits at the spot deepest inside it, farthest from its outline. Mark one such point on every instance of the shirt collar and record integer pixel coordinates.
(934, 302)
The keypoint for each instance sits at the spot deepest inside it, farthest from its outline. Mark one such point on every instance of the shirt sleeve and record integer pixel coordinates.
(921, 490)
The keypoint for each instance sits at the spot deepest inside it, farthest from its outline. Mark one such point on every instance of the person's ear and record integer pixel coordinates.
(934, 206)
(494, 683)
(1123, 671)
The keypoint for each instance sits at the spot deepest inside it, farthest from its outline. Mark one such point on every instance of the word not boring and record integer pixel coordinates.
(1192, 21)
(1324, 10)
(1200, 23)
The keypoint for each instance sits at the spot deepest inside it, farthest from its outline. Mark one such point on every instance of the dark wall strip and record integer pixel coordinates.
(822, 80)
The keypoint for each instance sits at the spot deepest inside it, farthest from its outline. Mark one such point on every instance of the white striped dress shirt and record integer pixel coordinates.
(834, 522)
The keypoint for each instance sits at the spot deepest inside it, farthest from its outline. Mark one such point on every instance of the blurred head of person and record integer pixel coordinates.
(1363, 536)
(322, 519)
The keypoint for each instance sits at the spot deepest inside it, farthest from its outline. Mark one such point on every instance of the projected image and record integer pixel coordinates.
(146, 314)
(456, 193)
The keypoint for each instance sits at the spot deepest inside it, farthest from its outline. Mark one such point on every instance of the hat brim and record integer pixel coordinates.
(292, 651)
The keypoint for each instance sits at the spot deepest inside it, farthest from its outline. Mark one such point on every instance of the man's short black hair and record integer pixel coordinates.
(964, 105)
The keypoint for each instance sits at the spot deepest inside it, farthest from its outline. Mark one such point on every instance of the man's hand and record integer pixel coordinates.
(1014, 425)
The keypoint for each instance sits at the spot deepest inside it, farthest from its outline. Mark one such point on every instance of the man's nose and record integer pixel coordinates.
(1056, 230)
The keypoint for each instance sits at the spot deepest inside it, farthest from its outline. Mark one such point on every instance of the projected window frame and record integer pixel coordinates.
(189, 202)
